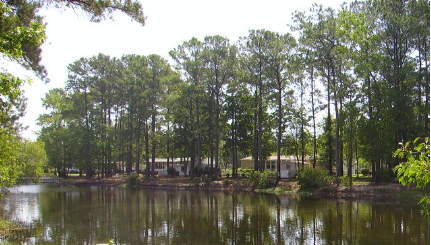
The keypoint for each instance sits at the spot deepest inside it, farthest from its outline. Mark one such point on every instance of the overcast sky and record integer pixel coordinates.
(71, 35)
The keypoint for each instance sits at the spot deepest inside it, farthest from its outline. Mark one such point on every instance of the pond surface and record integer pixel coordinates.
(91, 215)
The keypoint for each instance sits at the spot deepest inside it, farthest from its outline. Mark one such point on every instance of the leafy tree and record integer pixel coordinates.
(219, 57)
(256, 99)
(33, 158)
(189, 59)
(281, 49)
(10, 168)
(415, 166)
(55, 133)
(22, 33)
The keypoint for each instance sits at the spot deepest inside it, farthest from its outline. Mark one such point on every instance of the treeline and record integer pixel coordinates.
(22, 33)
(364, 67)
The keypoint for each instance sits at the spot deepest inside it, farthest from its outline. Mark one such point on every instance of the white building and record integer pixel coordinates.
(180, 165)
(288, 165)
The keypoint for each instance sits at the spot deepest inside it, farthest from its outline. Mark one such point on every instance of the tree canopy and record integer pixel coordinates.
(22, 32)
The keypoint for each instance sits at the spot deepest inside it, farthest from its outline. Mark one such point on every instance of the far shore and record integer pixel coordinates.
(359, 190)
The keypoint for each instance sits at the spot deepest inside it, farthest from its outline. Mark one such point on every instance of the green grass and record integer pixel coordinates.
(361, 176)
(75, 175)
(354, 182)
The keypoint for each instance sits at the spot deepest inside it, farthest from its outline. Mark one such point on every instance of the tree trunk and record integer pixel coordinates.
(260, 127)
(217, 131)
(255, 133)
(329, 129)
(302, 124)
(280, 113)
(147, 147)
(153, 138)
(314, 117)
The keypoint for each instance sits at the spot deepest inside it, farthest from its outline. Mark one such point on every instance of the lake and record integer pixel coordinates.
(91, 215)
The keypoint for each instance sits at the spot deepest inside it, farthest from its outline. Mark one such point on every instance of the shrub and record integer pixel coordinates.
(312, 178)
(345, 180)
(331, 180)
(267, 179)
(365, 172)
(253, 178)
(133, 180)
(263, 179)
(227, 172)
(245, 172)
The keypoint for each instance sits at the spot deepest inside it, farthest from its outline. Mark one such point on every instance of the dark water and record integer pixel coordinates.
(91, 215)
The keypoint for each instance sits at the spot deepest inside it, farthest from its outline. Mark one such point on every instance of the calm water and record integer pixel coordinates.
(91, 215)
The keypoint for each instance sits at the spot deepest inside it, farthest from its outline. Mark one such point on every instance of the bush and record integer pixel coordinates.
(227, 172)
(133, 180)
(253, 178)
(245, 172)
(345, 180)
(172, 172)
(365, 172)
(241, 172)
(265, 179)
(331, 180)
(313, 178)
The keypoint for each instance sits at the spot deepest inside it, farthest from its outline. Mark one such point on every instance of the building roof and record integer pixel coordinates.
(165, 160)
(274, 158)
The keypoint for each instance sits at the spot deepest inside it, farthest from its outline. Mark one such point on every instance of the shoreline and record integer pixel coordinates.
(284, 187)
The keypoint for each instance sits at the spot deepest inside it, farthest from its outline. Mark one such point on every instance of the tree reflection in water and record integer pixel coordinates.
(90, 215)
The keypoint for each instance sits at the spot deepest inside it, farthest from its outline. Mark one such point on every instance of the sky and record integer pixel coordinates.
(71, 35)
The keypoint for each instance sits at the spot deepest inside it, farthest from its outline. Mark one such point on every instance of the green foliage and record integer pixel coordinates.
(227, 172)
(12, 103)
(345, 180)
(415, 166)
(245, 172)
(133, 180)
(10, 166)
(100, 9)
(19, 158)
(331, 180)
(365, 171)
(21, 34)
(257, 179)
(262, 179)
(251, 98)
(33, 158)
(312, 178)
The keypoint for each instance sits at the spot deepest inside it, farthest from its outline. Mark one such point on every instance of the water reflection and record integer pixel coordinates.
(90, 215)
